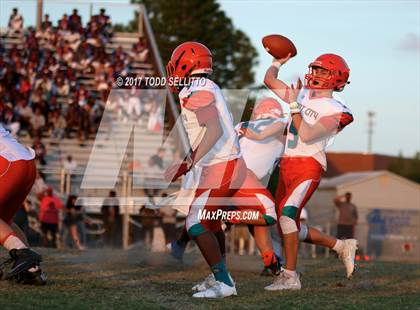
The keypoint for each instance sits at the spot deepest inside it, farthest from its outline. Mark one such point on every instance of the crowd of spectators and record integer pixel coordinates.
(42, 89)
(43, 93)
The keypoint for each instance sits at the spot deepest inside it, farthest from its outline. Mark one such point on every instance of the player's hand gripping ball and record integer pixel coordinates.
(279, 46)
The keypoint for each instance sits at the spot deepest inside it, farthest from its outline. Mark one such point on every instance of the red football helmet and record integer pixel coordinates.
(267, 108)
(338, 77)
(189, 58)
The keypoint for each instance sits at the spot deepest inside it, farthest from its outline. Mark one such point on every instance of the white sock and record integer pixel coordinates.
(291, 273)
(13, 242)
(339, 246)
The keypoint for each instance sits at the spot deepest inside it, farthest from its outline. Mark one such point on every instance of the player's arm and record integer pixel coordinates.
(202, 103)
(273, 83)
(213, 133)
(271, 130)
(325, 127)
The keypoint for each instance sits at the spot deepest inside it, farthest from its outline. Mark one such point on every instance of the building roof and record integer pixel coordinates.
(356, 177)
(339, 163)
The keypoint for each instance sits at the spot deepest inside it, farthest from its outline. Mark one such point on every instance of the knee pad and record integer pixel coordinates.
(268, 205)
(196, 230)
(303, 233)
(290, 212)
(287, 225)
(269, 220)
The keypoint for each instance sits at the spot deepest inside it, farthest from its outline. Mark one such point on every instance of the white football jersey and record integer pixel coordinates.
(12, 150)
(314, 110)
(227, 147)
(260, 155)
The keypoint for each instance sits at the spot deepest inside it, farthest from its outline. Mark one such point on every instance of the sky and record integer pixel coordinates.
(380, 41)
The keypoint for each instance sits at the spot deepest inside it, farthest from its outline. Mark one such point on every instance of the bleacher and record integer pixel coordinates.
(56, 152)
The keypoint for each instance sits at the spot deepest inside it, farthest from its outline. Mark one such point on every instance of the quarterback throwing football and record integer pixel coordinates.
(316, 116)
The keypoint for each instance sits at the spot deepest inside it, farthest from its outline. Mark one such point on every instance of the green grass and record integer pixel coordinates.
(99, 279)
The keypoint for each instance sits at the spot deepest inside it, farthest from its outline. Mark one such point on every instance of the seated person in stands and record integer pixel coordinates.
(75, 21)
(15, 23)
(140, 50)
(46, 23)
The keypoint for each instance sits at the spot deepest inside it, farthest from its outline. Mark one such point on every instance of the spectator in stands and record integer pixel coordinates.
(72, 216)
(111, 215)
(24, 87)
(75, 21)
(63, 25)
(49, 210)
(101, 83)
(59, 124)
(46, 23)
(155, 122)
(134, 104)
(15, 23)
(69, 164)
(72, 119)
(61, 87)
(74, 39)
(158, 158)
(347, 216)
(40, 151)
(84, 122)
(25, 114)
(82, 96)
(148, 107)
(37, 123)
(140, 50)
(31, 40)
(53, 65)
(44, 83)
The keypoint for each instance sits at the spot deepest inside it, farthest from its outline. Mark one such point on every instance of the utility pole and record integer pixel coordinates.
(371, 123)
(39, 5)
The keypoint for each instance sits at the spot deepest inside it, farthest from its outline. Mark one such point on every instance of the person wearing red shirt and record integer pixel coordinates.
(49, 210)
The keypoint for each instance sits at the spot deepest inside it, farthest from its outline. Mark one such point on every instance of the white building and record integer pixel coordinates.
(388, 207)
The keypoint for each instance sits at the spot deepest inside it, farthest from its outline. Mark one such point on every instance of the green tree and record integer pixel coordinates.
(174, 22)
(408, 168)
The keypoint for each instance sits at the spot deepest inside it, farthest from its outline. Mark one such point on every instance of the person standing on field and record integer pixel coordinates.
(347, 216)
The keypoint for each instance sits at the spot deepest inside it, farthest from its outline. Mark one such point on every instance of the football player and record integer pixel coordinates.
(17, 175)
(316, 117)
(215, 162)
(259, 157)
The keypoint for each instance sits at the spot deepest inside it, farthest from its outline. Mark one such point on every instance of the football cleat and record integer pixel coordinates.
(348, 254)
(25, 268)
(208, 282)
(218, 290)
(34, 276)
(284, 282)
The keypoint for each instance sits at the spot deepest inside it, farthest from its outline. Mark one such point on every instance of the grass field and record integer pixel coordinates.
(112, 279)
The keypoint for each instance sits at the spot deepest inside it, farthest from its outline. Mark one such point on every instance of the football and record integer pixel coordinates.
(278, 46)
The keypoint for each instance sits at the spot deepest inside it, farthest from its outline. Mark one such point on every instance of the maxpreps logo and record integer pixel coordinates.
(230, 216)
